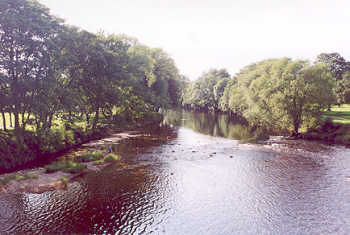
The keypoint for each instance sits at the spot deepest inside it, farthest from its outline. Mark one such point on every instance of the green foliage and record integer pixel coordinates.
(339, 114)
(7, 179)
(330, 132)
(337, 64)
(282, 93)
(27, 35)
(62, 85)
(18, 177)
(99, 162)
(111, 157)
(25, 176)
(65, 166)
(343, 89)
(205, 93)
(64, 179)
(340, 69)
(89, 157)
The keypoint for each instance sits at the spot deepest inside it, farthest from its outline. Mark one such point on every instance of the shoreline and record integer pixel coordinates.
(37, 157)
(58, 180)
(43, 181)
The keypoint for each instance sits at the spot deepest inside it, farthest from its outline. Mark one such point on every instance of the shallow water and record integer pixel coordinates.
(180, 181)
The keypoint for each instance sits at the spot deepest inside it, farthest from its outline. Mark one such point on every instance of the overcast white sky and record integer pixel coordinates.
(204, 34)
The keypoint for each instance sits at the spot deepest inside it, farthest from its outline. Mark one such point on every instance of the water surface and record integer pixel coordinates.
(191, 177)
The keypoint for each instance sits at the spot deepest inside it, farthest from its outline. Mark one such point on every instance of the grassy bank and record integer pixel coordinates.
(339, 114)
(30, 149)
(335, 128)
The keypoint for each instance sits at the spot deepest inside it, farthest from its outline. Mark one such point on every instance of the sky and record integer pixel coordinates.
(204, 34)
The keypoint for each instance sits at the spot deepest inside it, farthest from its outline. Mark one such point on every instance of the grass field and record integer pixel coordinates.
(339, 114)
(7, 116)
(56, 124)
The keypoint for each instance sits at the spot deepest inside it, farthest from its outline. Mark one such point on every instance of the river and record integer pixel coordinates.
(190, 176)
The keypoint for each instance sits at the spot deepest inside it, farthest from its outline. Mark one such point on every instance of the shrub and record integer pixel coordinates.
(89, 157)
(64, 179)
(25, 177)
(7, 179)
(69, 138)
(111, 157)
(99, 162)
(65, 166)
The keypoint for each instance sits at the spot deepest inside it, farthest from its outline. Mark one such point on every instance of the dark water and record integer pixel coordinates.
(192, 181)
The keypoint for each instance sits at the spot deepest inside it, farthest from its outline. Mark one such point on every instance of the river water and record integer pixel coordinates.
(191, 177)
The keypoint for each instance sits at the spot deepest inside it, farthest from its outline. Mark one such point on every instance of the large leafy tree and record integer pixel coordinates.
(340, 69)
(93, 70)
(337, 64)
(166, 84)
(284, 94)
(27, 31)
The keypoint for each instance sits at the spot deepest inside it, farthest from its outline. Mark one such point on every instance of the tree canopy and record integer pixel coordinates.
(280, 94)
(205, 93)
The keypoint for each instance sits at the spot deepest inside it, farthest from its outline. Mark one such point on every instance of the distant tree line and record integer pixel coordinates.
(278, 94)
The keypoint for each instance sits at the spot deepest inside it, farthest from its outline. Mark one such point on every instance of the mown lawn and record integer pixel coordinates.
(339, 114)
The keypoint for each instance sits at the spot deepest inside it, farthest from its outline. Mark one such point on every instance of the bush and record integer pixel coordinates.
(99, 162)
(69, 138)
(89, 157)
(8, 178)
(111, 157)
(65, 166)
(75, 168)
(25, 177)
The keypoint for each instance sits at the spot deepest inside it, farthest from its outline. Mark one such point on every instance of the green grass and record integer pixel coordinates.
(26, 176)
(89, 157)
(64, 179)
(7, 119)
(339, 114)
(111, 157)
(56, 123)
(65, 166)
(99, 162)
(8, 178)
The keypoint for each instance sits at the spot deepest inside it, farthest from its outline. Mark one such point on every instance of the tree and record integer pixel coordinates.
(26, 33)
(339, 68)
(343, 89)
(219, 88)
(285, 94)
(166, 84)
(338, 65)
(207, 90)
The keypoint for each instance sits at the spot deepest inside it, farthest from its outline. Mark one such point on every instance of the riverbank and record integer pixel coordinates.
(329, 133)
(38, 180)
(29, 149)
(160, 184)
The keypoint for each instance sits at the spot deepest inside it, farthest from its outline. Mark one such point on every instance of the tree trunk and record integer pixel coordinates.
(16, 114)
(11, 124)
(87, 118)
(50, 121)
(296, 127)
(4, 120)
(23, 121)
(97, 114)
